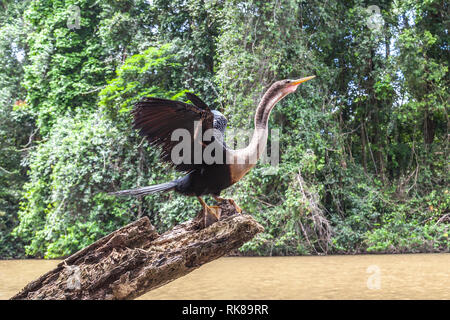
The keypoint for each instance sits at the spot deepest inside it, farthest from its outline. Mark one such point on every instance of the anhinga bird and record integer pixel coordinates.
(157, 119)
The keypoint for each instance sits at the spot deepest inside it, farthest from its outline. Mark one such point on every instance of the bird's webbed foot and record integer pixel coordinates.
(230, 201)
(210, 214)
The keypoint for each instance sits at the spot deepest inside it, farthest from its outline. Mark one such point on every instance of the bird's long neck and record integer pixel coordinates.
(245, 159)
(259, 139)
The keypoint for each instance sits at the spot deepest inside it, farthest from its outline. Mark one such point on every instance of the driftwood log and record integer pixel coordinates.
(136, 259)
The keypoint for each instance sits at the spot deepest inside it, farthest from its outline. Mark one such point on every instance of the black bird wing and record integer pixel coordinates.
(197, 101)
(158, 118)
(220, 122)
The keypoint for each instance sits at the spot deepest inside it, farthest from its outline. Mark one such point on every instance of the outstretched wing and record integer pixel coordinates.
(197, 101)
(158, 118)
(220, 122)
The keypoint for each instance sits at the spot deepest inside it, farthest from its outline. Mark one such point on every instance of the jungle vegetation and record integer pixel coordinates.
(364, 147)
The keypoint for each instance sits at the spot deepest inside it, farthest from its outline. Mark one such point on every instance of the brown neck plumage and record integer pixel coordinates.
(259, 138)
(246, 158)
(268, 101)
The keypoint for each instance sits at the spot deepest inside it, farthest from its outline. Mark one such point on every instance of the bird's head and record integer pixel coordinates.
(276, 92)
(280, 89)
(288, 86)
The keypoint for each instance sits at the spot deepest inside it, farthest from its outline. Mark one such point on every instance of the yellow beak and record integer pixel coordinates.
(297, 82)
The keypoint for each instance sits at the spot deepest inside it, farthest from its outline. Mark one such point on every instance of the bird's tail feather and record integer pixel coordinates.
(146, 190)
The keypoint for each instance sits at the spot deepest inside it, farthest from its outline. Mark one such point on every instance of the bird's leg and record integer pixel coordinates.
(231, 201)
(211, 214)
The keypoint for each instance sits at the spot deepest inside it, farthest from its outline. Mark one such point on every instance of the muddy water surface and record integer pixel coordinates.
(408, 276)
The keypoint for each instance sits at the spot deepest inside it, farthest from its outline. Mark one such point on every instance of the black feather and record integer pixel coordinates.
(158, 118)
(197, 101)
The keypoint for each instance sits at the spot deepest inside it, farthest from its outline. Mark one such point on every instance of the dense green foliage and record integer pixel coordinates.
(17, 128)
(364, 146)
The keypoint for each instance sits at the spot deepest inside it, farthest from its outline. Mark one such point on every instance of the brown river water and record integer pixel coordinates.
(406, 276)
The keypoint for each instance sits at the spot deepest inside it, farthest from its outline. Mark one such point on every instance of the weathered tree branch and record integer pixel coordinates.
(136, 259)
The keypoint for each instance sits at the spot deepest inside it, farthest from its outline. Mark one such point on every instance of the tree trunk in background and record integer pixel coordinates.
(136, 259)
(363, 145)
(429, 127)
(378, 141)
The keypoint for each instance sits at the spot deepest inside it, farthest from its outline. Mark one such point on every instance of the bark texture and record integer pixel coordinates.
(136, 259)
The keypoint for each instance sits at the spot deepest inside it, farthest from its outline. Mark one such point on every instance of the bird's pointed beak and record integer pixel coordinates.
(297, 82)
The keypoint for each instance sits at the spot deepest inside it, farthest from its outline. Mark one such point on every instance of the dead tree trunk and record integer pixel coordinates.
(136, 259)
